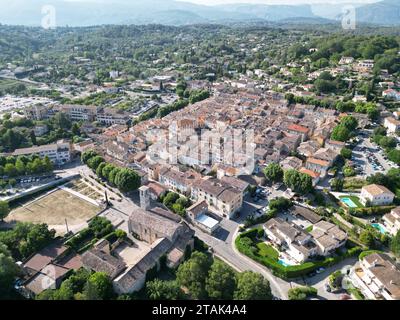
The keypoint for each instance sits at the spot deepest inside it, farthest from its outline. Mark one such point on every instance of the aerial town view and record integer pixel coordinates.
(200, 150)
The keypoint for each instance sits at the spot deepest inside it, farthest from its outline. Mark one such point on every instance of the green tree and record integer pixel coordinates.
(367, 238)
(10, 170)
(395, 244)
(94, 162)
(98, 287)
(87, 155)
(127, 180)
(274, 172)
(4, 210)
(75, 129)
(337, 184)
(340, 133)
(192, 274)
(99, 170)
(8, 272)
(346, 153)
(163, 290)
(221, 281)
(252, 286)
(298, 182)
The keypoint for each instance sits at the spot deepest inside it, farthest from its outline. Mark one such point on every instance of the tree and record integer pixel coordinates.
(395, 244)
(62, 121)
(47, 164)
(252, 286)
(346, 153)
(20, 166)
(75, 129)
(94, 162)
(163, 290)
(273, 172)
(8, 272)
(105, 173)
(127, 180)
(192, 274)
(301, 293)
(340, 133)
(394, 155)
(170, 199)
(10, 170)
(298, 182)
(87, 155)
(337, 184)
(221, 282)
(33, 137)
(349, 122)
(280, 204)
(99, 170)
(98, 287)
(4, 210)
(112, 175)
(367, 238)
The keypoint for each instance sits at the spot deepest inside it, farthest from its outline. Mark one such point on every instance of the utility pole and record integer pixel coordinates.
(66, 224)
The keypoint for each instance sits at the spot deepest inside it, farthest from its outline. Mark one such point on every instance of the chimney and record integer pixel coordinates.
(144, 198)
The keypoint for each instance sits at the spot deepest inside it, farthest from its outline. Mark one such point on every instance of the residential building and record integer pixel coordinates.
(391, 94)
(376, 195)
(328, 237)
(392, 125)
(318, 166)
(291, 163)
(222, 198)
(379, 277)
(392, 221)
(79, 112)
(199, 216)
(299, 130)
(178, 181)
(59, 153)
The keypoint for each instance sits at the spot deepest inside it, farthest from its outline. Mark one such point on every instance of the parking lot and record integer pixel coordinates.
(370, 159)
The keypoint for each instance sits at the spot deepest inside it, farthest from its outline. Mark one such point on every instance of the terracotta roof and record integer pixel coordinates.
(376, 190)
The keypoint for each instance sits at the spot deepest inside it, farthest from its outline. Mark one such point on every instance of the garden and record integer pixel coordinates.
(250, 243)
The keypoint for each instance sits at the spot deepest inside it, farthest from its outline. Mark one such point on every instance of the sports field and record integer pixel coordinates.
(53, 209)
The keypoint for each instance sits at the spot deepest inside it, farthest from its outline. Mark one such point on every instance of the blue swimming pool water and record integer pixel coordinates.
(348, 202)
(379, 227)
(283, 263)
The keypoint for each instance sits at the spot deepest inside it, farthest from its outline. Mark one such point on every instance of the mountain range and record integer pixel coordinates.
(172, 12)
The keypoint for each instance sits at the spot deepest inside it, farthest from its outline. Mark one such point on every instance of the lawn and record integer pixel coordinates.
(267, 251)
(310, 228)
(53, 209)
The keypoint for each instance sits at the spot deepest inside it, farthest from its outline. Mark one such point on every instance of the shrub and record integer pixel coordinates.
(302, 293)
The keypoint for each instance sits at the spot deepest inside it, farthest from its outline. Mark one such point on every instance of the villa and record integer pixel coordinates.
(379, 277)
(376, 195)
(392, 221)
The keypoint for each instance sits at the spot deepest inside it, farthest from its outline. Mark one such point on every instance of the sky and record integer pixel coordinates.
(215, 2)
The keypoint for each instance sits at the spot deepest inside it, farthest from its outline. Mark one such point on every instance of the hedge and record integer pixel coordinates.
(367, 253)
(288, 272)
(372, 211)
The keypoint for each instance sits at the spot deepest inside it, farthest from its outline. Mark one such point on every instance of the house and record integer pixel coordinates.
(376, 195)
(297, 242)
(318, 166)
(199, 216)
(79, 112)
(308, 148)
(379, 277)
(222, 198)
(40, 130)
(299, 130)
(315, 176)
(291, 163)
(346, 60)
(156, 190)
(178, 181)
(392, 125)
(328, 237)
(338, 146)
(100, 259)
(392, 221)
(327, 154)
(391, 94)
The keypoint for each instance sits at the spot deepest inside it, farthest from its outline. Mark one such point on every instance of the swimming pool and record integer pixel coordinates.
(282, 262)
(348, 202)
(379, 227)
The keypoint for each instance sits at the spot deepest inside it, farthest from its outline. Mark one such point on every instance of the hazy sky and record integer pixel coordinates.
(211, 2)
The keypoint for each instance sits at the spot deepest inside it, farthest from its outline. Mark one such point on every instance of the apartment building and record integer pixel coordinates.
(379, 277)
(59, 153)
(78, 112)
(222, 198)
(317, 165)
(392, 125)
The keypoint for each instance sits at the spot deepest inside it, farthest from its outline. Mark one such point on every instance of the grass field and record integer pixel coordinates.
(267, 251)
(53, 209)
